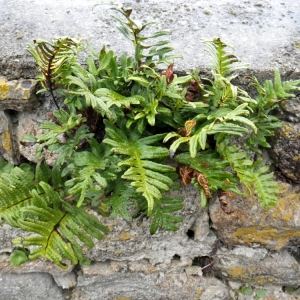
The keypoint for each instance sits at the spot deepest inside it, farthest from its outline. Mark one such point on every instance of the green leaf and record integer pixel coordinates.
(162, 216)
(260, 293)
(86, 158)
(91, 65)
(56, 229)
(121, 200)
(245, 290)
(113, 98)
(18, 257)
(85, 261)
(146, 177)
(29, 137)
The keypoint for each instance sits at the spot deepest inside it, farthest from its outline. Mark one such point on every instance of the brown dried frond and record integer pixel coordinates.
(201, 179)
(186, 173)
(187, 129)
(224, 197)
(169, 73)
(193, 91)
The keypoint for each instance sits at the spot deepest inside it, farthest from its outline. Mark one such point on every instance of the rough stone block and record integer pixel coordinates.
(35, 286)
(253, 225)
(8, 145)
(66, 281)
(18, 94)
(35, 266)
(257, 268)
(286, 150)
(29, 123)
(134, 242)
(174, 285)
(290, 109)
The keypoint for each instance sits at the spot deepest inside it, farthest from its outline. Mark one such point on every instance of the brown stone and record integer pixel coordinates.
(252, 225)
(8, 144)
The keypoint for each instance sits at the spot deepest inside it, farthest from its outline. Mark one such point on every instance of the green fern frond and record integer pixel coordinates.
(146, 176)
(163, 217)
(113, 98)
(213, 168)
(42, 211)
(57, 229)
(85, 168)
(199, 138)
(157, 53)
(82, 89)
(265, 187)
(15, 193)
(249, 173)
(66, 149)
(270, 94)
(273, 92)
(66, 124)
(223, 63)
(221, 91)
(5, 166)
(51, 57)
(282, 89)
(121, 199)
(163, 213)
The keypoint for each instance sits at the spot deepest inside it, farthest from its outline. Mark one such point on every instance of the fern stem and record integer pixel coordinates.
(52, 95)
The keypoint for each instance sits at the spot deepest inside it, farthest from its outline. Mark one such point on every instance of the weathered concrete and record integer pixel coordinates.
(264, 33)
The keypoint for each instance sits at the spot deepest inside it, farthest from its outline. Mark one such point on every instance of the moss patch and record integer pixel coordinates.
(4, 89)
(268, 235)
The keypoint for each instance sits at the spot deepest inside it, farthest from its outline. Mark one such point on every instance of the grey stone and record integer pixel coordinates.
(29, 123)
(66, 281)
(272, 292)
(173, 285)
(286, 150)
(278, 268)
(35, 266)
(8, 233)
(290, 110)
(17, 94)
(34, 286)
(130, 263)
(133, 241)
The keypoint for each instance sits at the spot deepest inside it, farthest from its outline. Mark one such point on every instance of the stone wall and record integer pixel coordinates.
(210, 257)
(213, 254)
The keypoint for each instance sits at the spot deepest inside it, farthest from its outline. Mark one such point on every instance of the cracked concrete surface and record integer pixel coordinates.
(265, 33)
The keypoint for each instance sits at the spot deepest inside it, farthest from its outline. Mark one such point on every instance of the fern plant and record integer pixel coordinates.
(125, 123)
(53, 59)
(35, 206)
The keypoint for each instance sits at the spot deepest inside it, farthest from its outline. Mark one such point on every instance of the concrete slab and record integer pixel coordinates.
(265, 33)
